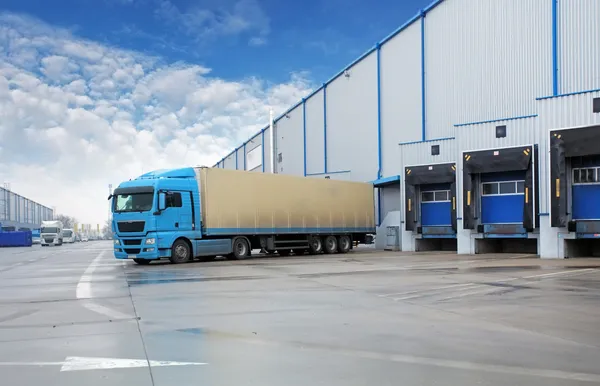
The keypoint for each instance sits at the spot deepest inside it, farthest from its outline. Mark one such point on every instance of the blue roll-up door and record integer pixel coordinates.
(436, 207)
(586, 194)
(502, 198)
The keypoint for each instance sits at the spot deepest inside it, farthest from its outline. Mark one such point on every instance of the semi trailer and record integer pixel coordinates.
(199, 212)
(51, 233)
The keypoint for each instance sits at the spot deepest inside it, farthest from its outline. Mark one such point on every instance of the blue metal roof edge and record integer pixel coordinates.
(567, 94)
(386, 180)
(427, 140)
(496, 120)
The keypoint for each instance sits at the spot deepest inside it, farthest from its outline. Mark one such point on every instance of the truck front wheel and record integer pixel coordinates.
(180, 252)
(241, 248)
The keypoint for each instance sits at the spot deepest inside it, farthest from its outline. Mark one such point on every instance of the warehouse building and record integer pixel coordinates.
(20, 213)
(478, 123)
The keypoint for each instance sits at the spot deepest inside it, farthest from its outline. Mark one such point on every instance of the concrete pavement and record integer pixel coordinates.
(73, 315)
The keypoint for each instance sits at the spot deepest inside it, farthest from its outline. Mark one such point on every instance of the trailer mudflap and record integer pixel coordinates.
(502, 160)
(422, 175)
(578, 142)
(504, 231)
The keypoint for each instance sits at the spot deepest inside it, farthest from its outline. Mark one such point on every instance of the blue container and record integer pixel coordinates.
(16, 239)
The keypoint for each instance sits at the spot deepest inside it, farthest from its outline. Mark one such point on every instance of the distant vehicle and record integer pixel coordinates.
(35, 236)
(182, 214)
(84, 238)
(68, 236)
(51, 233)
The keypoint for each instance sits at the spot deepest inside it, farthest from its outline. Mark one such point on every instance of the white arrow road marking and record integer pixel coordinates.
(86, 363)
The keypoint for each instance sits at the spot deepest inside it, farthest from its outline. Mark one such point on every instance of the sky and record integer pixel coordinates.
(95, 92)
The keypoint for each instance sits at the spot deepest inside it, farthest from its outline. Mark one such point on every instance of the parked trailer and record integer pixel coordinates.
(187, 213)
(16, 239)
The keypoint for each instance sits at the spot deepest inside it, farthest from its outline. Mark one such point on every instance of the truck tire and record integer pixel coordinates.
(344, 244)
(241, 248)
(180, 252)
(142, 261)
(330, 245)
(315, 245)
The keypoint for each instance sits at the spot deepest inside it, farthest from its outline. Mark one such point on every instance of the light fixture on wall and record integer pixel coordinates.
(287, 116)
(347, 73)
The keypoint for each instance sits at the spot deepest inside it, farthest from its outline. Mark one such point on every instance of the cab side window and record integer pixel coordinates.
(173, 200)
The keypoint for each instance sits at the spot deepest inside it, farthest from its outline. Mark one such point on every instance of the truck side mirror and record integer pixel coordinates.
(162, 201)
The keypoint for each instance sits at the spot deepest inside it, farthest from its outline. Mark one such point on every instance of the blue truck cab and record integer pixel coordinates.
(154, 210)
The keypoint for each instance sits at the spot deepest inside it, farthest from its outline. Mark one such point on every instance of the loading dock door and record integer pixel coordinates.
(568, 143)
(434, 211)
(502, 199)
(436, 207)
(586, 193)
(512, 160)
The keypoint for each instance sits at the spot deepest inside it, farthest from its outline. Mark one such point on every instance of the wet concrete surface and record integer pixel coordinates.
(73, 315)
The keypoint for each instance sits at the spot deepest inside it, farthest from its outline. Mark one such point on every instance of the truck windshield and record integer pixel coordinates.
(135, 202)
(50, 230)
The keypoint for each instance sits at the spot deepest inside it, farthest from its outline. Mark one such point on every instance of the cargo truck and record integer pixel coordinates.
(200, 212)
(51, 233)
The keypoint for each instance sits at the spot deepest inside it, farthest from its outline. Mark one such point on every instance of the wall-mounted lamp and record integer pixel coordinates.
(346, 73)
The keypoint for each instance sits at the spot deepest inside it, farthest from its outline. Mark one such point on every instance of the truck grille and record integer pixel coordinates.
(48, 240)
(132, 241)
(131, 226)
(132, 251)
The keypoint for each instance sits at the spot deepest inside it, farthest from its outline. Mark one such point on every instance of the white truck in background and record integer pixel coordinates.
(68, 236)
(51, 233)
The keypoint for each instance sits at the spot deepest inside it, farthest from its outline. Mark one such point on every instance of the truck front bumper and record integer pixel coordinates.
(138, 247)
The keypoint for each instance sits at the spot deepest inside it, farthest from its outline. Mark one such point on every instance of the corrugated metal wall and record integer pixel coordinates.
(315, 140)
(20, 210)
(289, 143)
(561, 113)
(254, 143)
(352, 121)
(578, 48)
(483, 136)
(419, 153)
(400, 95)
(485, 60)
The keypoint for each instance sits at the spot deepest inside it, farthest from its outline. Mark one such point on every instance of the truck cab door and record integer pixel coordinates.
(177, 215)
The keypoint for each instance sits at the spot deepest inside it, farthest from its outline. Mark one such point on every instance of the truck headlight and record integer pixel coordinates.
(151, 240)
(117, 242)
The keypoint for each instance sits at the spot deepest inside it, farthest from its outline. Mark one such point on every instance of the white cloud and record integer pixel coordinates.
(78, 115)
(245, 16)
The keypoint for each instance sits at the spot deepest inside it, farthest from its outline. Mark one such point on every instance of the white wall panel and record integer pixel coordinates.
(314, 134)
(578, 48)
(229, 161)
(267, 151)
(400, 95)
(254, 153)
(419, 153)
(352, 121)
(560, 113)
(289, 143)
(483, 136)
(484, 60)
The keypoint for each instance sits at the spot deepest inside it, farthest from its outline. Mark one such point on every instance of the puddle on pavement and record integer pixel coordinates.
(150, 277)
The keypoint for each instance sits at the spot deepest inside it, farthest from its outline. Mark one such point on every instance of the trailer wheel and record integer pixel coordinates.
(142, 261)
(241, 248)
(330, 244)
(180, 252)
(315, 245)
(344, 244)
